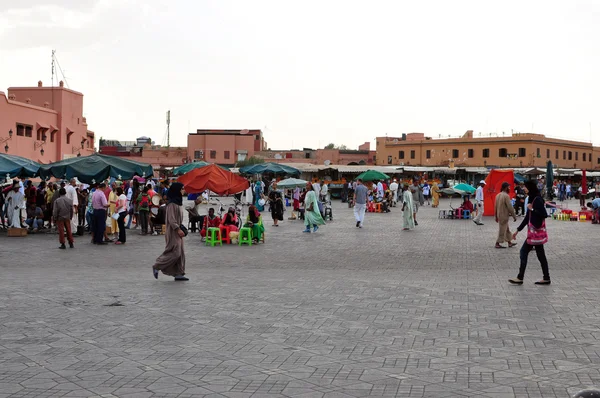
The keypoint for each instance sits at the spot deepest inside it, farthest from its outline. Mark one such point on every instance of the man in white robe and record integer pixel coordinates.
(15, 201)
(72, 195)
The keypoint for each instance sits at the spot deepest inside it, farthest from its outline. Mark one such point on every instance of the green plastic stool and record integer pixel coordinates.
(245, 236)
(213, 236)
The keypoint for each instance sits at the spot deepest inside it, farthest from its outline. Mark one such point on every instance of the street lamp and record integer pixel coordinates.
(42, 151)
(10, 133)
(6, 148)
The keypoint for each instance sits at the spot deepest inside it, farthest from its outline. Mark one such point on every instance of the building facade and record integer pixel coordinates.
(362, 156)
(516, 150)
(144, 150)
(224, 147)
(44, 124)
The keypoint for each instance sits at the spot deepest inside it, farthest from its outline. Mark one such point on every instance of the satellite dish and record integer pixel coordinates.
(245, 131)
(327, 162)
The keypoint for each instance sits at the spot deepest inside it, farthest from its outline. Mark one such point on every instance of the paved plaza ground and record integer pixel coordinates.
(345, 312)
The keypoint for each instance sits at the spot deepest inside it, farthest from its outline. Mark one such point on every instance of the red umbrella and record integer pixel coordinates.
(218, 180)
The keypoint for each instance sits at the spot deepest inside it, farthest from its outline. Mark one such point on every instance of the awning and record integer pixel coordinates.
(39, 125)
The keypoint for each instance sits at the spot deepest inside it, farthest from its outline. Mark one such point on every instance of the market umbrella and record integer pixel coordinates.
(181, 170)
(465, 188)
(549, 179)
(16, 166)
(96, 168)
(291, 183)
(214, 178)
(372, 175)
(534, 172)
(274, 168)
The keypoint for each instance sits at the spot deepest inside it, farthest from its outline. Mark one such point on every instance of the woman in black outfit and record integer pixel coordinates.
(276, 205)
(537, 213)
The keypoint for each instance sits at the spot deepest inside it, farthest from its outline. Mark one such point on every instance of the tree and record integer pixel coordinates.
(252, 160)
(343, 147)
(330, 146)
(333, 146)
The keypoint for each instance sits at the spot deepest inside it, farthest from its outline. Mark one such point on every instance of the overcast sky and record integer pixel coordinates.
(313, 72)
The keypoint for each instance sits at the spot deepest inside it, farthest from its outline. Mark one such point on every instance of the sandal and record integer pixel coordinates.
(499, 246)
(543, 282)
(516, 281)
(512, 244)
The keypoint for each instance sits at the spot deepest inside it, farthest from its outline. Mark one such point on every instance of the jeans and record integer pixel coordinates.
(359, 212)
(88, 218)
(143, 220)
(541, 255)
(121, 222)
(35, 223)
(62, 225)
(99, 225)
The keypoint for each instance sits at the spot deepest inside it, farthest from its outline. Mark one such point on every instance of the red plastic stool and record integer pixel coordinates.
(225, 235)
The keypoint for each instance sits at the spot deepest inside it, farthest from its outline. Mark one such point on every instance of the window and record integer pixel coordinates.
(584, 157)
(556, 154)
(68, 137)
(390, 159)
(20, 130)
(547, 153)
(198, 154)
(428, 154)
(570, 155)
(486, 153)
(522, 152)
(213, 154)
(412, 154)
(576, 155)
(502, 152)
(471, 153)
(539, 153)
(28, 131)
(226, 154)
(401, 155)
(564, 155)
(598, 160)
(307, 155)
(455, 153)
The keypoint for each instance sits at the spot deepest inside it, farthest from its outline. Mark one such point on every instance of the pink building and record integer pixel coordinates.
(44, 124)
(224, 147)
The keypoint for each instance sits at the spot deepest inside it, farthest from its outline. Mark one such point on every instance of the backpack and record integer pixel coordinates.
(145, 202)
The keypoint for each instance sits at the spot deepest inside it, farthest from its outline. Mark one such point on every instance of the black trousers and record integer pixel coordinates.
(541, 255)
(121, 223)
(99, 225)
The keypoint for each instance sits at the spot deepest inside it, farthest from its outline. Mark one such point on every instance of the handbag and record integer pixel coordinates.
(184, 230)
(115, 216)
(536, 236)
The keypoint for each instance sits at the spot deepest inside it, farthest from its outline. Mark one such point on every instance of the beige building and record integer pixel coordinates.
(516, 150)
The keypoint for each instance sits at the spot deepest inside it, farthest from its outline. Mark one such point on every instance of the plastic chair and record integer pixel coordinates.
(213, 237)
(466, 214)
(245, 236)
(225, 238)
(378, 208)
(458, 213)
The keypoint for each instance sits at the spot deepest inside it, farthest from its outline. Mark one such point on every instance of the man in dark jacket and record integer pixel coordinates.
(537, 214)
(62, 213)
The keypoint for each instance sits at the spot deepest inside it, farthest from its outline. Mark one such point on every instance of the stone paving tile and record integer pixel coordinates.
(346, 312)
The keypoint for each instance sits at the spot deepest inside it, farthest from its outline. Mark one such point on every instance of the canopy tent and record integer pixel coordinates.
(493, 185)
(534, 172)
(372, 175)
(274, 168)
(96, 168)
(291, 183)
(181, 170)
(214, 178)
(16, 166)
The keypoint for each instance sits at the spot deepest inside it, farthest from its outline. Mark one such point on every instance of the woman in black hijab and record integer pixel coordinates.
(172, 261)
(535, 221)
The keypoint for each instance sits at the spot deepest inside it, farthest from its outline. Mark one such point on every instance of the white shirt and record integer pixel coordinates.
(324, 189)
(394, 186)
(123, 198)
(72, 194)
(426, 189)
(317, 188)
(380, 189)
(479, 194)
